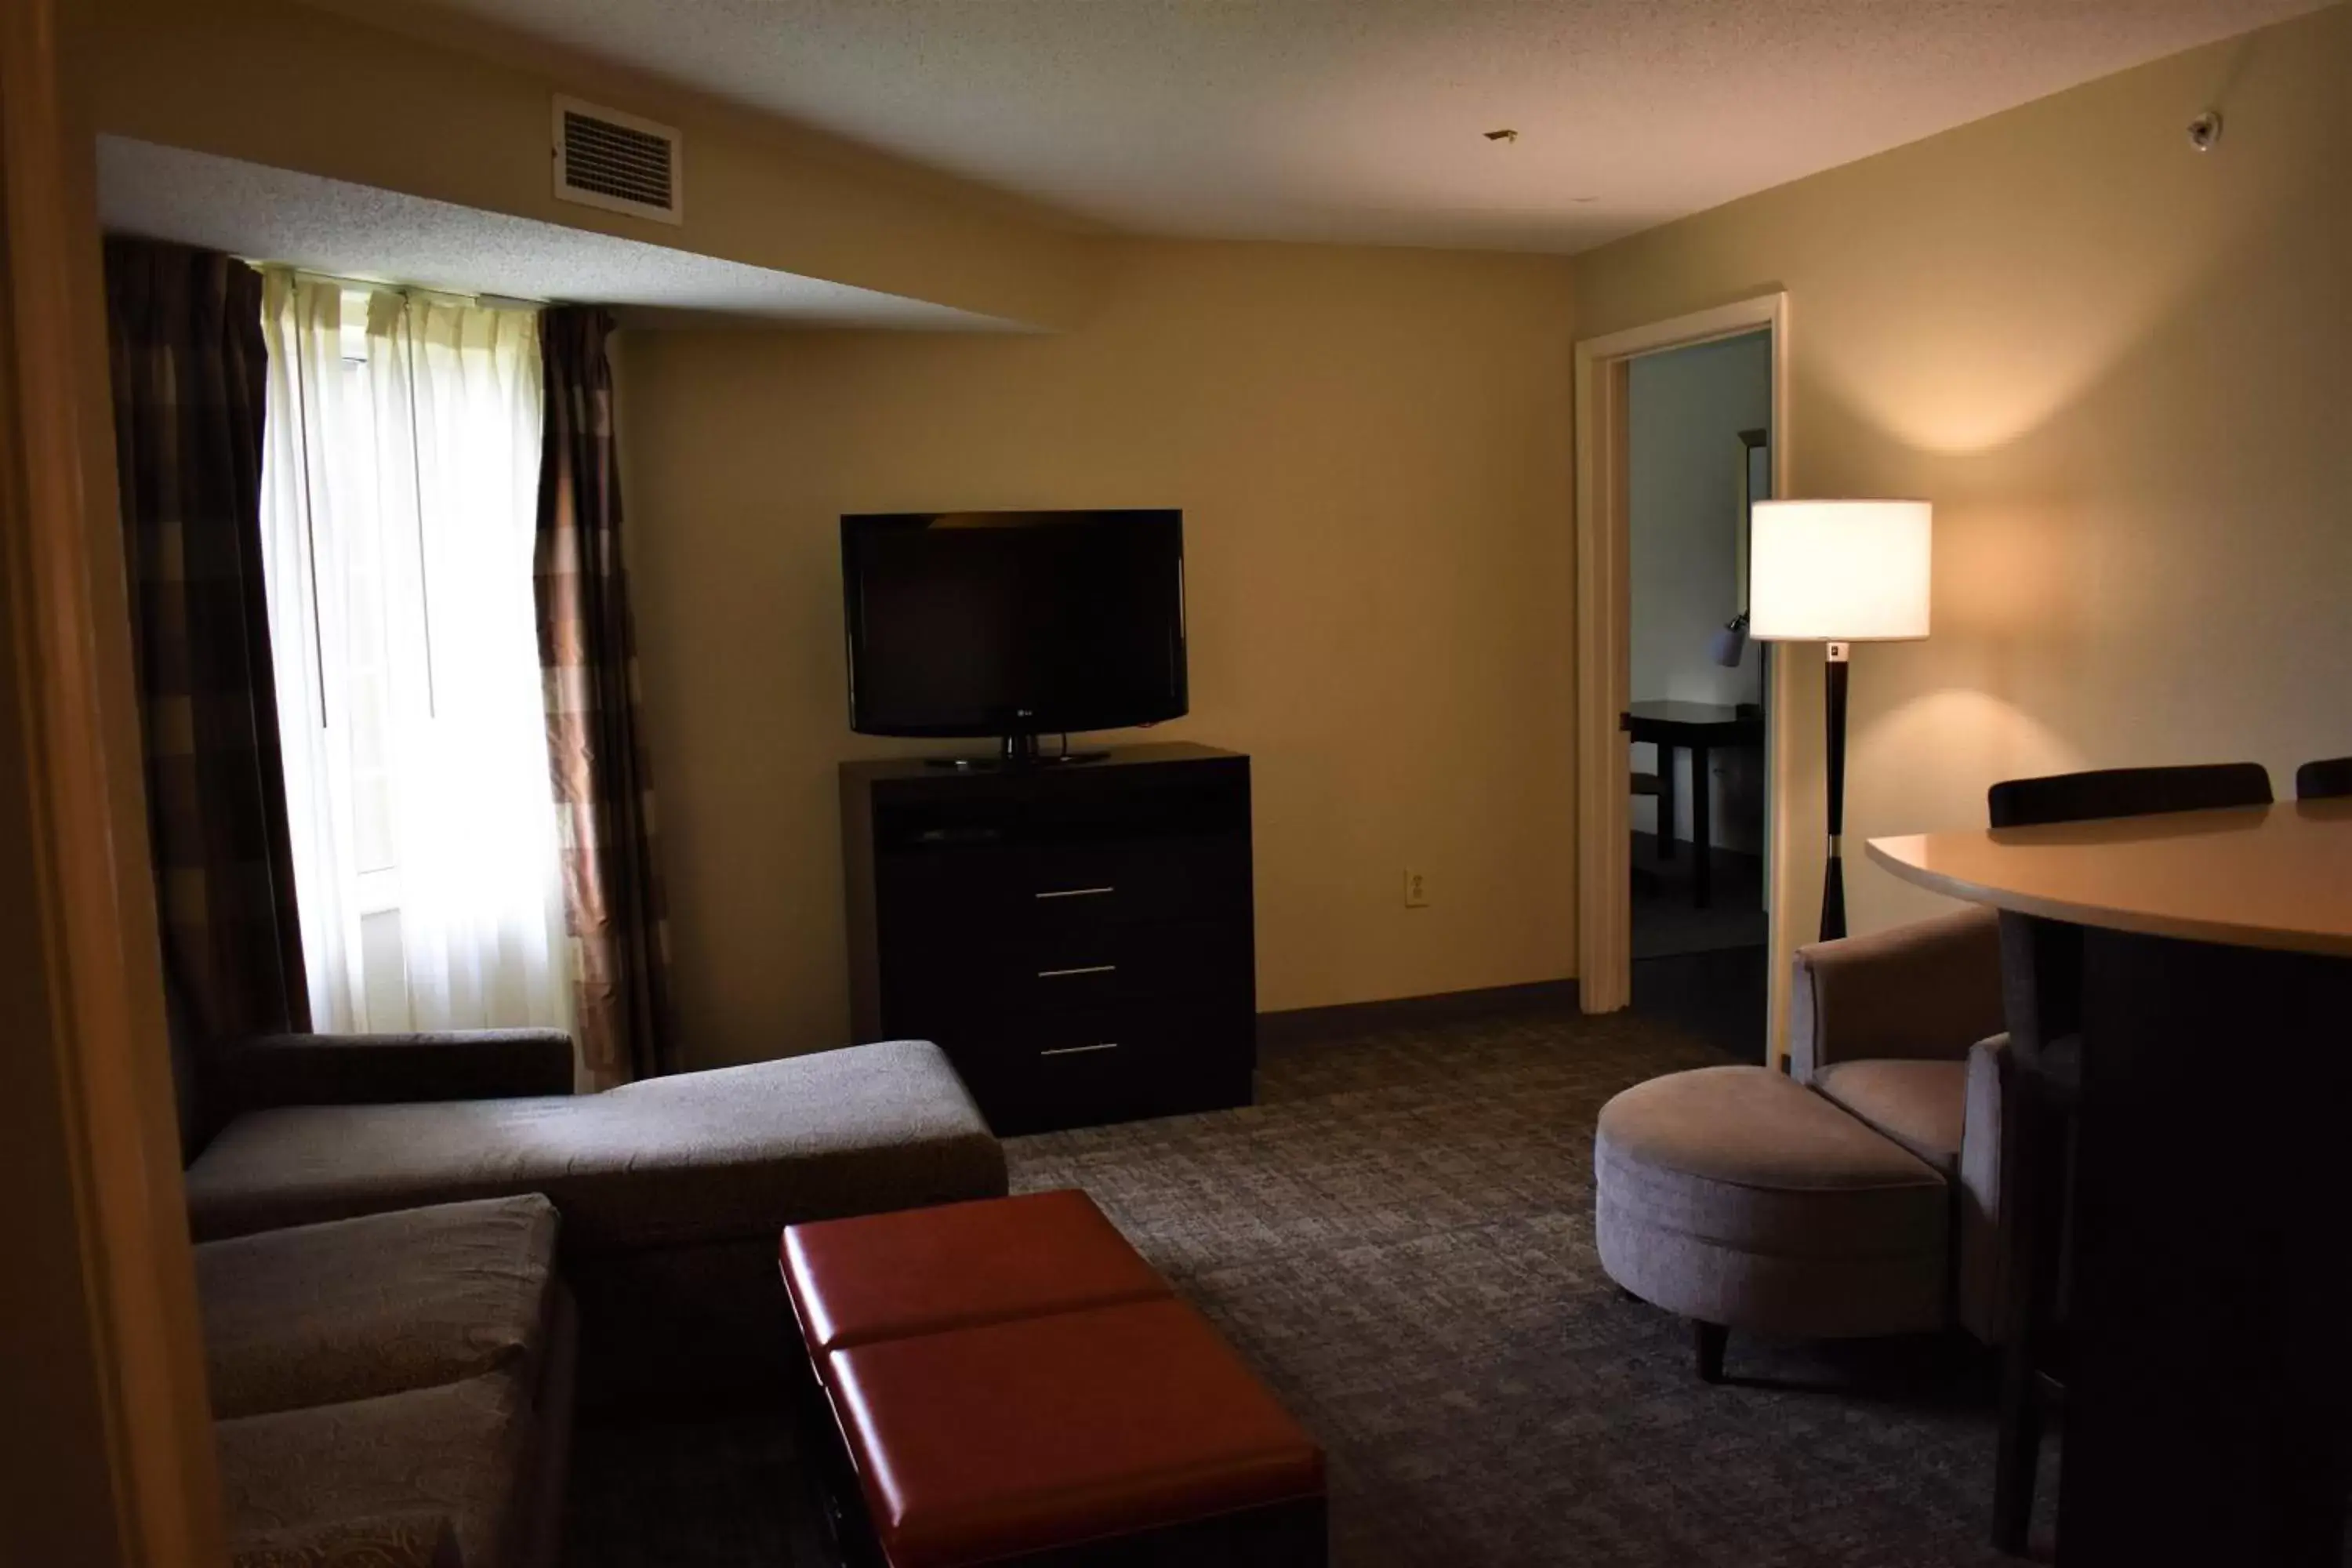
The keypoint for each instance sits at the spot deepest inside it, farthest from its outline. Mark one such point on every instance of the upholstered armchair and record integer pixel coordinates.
(1902, 1028)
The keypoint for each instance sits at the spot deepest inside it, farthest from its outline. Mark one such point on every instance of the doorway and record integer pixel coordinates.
(1712, 993)
(1698, 450)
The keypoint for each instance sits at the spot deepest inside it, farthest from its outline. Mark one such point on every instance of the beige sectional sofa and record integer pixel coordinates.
(393, 1233)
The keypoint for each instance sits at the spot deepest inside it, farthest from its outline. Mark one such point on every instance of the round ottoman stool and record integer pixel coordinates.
(1736, 1198)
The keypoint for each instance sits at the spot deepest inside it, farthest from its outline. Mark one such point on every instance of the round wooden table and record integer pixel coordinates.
(2209, 1415)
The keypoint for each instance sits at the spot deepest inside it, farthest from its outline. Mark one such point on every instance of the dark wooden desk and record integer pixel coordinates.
(1698, 728)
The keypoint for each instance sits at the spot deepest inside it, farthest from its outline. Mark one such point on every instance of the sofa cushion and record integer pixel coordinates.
(319, 1314)
(396, 1541)
(461, 1450)
(734, 1154)
(1921, 1105)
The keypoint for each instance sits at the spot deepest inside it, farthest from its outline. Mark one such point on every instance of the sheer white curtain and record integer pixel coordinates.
(399, 502)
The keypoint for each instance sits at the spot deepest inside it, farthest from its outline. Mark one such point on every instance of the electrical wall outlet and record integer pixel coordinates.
(1416, 889)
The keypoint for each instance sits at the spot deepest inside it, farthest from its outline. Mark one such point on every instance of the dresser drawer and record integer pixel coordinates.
(1074, 1066)
(989, 892)
(1083, 965)
(1171, 879)
(1166, 961)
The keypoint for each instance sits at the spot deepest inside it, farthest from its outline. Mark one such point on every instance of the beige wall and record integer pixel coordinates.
(2123, 370)
(458, 113)
(1372, 448)
(2120, 368)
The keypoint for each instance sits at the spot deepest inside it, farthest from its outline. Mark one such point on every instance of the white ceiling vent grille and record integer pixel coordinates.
(606, 159)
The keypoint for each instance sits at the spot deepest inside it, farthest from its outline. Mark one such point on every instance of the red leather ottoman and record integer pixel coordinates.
(915, 1271)
(1007, 1381)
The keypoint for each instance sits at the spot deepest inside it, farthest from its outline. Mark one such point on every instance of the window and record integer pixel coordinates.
(399, 505)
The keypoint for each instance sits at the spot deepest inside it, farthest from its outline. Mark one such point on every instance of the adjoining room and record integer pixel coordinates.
(935, 785)
(1699, 446)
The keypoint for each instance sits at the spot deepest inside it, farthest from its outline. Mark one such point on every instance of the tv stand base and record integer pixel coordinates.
(1016, 752)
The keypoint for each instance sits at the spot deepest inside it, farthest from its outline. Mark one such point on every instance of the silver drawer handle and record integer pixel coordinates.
(1079, 1050)
(1082, 969)
(1079, 892)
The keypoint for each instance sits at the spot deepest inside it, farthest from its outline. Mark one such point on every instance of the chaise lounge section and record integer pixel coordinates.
(672, 1190)
(389, 1321)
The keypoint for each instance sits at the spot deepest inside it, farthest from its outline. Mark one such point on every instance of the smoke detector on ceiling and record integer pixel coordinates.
(618, 162)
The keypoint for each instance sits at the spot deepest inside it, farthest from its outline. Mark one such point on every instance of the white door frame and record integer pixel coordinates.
(1604, 807)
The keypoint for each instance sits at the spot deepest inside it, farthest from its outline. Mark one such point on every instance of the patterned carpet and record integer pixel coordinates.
(1398, 1236)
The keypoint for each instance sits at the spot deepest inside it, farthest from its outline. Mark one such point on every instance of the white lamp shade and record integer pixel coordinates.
(1839, 571)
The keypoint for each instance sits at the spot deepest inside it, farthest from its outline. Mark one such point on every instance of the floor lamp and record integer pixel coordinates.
(1838, 572)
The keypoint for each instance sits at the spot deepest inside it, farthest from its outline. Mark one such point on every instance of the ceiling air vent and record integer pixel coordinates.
(606, 159)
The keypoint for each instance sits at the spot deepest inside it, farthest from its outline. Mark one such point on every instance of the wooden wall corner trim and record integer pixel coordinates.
(80, 806)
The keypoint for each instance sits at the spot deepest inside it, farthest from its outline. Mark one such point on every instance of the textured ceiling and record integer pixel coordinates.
(358, 231)
(1361, 120)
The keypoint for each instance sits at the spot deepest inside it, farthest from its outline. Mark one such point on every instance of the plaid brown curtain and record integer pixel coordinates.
(588, 656)
(183, 328)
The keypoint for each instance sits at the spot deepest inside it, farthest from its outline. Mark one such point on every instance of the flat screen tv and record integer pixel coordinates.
(1014, 623)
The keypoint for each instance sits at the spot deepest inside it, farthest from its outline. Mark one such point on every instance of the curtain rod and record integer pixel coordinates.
(378, 286)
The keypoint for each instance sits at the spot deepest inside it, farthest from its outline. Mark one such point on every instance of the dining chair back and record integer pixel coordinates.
(2126, 792)
(2324, 780)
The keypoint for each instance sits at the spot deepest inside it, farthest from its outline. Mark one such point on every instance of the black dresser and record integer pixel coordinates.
(1078, 938)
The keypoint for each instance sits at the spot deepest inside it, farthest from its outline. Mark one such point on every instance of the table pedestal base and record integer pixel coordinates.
(2210, 1393)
